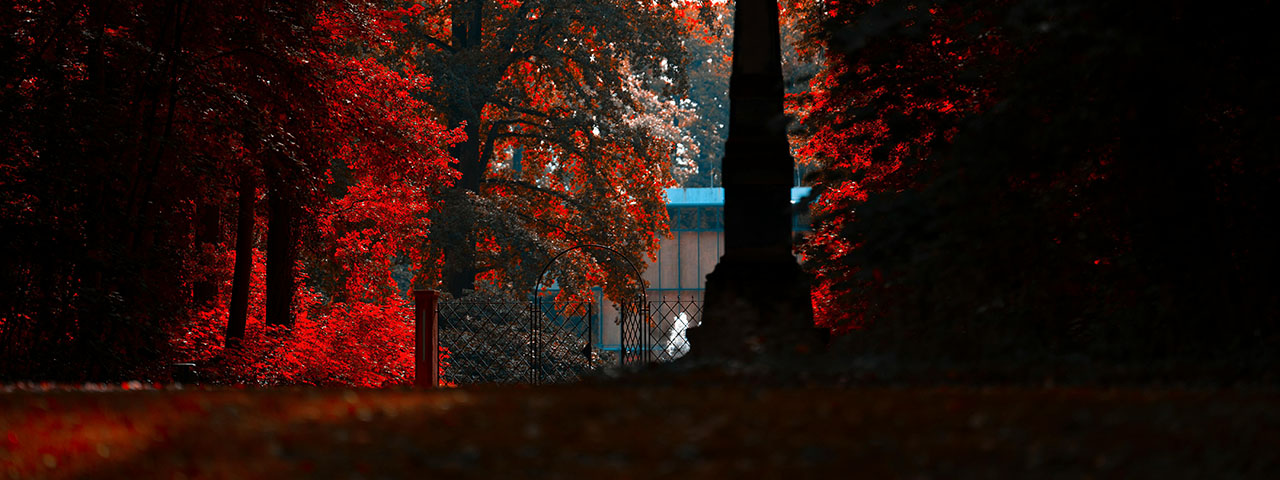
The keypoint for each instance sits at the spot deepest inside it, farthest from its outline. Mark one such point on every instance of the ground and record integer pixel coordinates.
(630, 431)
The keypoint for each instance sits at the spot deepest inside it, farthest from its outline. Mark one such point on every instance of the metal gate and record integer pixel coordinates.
(536, 342)
(635, 341)
(654, 329)
(551, 342)
(516, 342)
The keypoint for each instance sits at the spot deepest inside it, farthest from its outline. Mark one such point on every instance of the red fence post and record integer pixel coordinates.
(426, 339)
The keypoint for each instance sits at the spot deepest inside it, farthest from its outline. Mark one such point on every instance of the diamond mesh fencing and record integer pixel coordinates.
(635, 336)
(564, 349)
(655, 330)
(671, 318)
(488, 342)
(508, 342)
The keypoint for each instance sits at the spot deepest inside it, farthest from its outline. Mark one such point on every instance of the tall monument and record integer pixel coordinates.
(757, 298)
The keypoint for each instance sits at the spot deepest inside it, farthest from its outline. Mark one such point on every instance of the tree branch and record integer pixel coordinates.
(422, 33)
(534, 188)
(525, 110)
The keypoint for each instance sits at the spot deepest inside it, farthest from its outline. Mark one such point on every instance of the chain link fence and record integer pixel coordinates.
(536, 342)
(511, 342)
(671, 318)
(656, 330)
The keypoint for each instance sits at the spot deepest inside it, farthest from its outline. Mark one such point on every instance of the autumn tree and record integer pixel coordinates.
(898, 78)
(348, 206)
(1031, 180)
(572, 122)
(95, 233)
(709, 42)
(130, 120)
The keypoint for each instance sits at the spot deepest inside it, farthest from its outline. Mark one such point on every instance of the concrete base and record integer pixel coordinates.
(756, 306)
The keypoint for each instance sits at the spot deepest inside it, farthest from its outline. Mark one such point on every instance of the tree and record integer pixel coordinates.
(568, 111)
(899, 77)
(390, 164)
(709, 42)
(89, 96)
(1098, 195)
(126, 116)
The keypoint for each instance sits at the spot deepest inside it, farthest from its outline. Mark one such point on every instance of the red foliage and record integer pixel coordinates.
(359, 331)
(1046, 180)
(876, 114)
(126, 119)
(358, 343)
(572, 118)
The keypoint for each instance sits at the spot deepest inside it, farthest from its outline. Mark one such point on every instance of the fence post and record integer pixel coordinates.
(426, 338)
(591, 320)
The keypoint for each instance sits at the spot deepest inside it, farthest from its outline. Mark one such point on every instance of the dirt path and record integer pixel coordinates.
(642, 432)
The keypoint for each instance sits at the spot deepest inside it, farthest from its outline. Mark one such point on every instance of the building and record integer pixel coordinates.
(678, 276)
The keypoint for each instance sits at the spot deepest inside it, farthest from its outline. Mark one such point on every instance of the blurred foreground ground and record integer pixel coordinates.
(611, 431)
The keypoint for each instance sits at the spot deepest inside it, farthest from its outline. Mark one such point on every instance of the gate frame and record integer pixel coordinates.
(537, 300)
(426, 323)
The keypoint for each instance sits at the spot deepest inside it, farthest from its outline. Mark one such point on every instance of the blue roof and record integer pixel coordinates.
(798, 193)
(708, 196)
(680, 197)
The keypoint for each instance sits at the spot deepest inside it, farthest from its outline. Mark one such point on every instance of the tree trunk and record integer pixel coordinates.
(96, 228)
(460, 251)
(280, 255)
(460, 242)
(244, 261)
(208, 229)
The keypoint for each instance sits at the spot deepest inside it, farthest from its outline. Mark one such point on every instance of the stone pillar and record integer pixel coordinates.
(757, 299)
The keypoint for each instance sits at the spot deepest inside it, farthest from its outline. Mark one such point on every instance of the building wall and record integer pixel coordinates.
(678, 276)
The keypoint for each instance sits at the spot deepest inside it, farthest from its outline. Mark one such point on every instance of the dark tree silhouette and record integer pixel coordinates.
(1108, 193)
